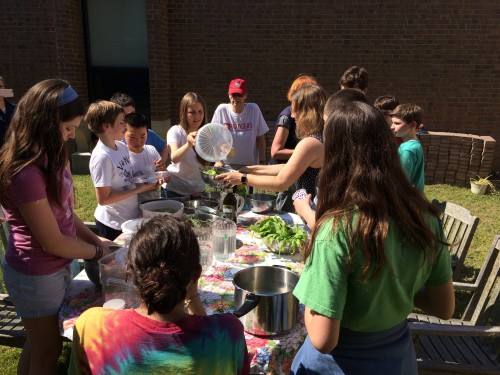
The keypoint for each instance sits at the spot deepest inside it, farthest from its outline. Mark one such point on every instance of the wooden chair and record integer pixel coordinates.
(471, 344)
(459, 227)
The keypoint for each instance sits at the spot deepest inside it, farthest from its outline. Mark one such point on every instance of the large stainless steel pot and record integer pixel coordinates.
(264, 301)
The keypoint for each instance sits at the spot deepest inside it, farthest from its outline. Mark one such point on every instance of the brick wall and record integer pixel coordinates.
(159, 59)
(441, 55)
(69, 45)
(40, 40)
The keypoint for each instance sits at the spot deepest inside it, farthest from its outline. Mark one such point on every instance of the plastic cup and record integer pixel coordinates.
(206, 251)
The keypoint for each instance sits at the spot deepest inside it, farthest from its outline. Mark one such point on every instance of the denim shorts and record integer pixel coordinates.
(36, 296)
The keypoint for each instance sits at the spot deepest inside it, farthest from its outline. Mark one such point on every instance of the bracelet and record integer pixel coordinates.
(98, 253)
(188, 301)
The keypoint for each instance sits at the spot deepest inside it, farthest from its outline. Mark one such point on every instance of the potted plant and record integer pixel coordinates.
(479, 185)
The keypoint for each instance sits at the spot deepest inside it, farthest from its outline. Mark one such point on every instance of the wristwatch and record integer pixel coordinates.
(244, 178)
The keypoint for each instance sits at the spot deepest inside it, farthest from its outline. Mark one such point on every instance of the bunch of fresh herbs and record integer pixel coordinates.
(274, 229)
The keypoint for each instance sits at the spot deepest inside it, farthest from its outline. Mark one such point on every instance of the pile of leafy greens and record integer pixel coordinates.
(274, 230)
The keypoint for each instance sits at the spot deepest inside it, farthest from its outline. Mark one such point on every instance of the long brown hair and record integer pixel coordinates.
(362, 185)
(34, 136)
(308, 103)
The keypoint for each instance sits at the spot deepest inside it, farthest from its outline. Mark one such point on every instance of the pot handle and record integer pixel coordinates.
(251, 301)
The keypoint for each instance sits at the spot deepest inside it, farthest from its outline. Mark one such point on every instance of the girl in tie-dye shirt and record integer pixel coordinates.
(160, 337)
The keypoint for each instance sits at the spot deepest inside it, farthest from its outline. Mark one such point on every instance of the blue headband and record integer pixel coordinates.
(67, 96)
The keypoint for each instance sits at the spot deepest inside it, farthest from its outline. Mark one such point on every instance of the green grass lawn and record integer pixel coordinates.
(487, 207)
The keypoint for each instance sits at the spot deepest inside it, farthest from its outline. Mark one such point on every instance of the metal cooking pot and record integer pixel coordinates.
(264, 301)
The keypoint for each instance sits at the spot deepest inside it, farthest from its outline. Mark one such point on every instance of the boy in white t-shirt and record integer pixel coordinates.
(144, 158)
(111, 170)
(246, 124)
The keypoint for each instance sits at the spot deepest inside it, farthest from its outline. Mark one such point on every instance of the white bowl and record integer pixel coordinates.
(161, 207)
(131, 226)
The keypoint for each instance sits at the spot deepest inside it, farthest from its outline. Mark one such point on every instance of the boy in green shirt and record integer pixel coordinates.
(406, 120)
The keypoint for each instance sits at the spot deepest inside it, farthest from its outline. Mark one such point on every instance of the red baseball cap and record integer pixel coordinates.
(237, 86)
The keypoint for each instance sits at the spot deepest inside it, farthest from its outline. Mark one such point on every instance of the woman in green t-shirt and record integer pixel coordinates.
(376, 252)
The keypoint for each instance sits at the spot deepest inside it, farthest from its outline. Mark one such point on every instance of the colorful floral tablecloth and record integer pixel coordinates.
(269, 355)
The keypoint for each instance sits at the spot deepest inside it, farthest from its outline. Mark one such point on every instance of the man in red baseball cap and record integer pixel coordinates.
(237, 86)
(246, 124)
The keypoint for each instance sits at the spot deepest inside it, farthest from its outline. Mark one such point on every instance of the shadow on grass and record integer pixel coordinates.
(462, 297)
(9, 357)
(63, 361)
(468, 274)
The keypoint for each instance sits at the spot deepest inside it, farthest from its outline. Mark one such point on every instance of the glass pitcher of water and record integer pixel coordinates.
(224, 239)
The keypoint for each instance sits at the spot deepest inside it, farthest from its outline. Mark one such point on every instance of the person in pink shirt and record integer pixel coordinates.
(36, 194)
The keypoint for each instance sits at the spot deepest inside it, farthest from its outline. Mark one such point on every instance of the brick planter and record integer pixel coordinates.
(453, 158)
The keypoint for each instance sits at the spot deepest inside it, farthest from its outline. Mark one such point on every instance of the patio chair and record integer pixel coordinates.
(12, 331)
(459, 227)
(4, 235)
(471, 344)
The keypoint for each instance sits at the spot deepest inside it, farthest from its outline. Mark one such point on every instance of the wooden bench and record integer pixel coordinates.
(471, 344)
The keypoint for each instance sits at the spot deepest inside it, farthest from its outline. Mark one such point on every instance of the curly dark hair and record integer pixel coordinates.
(163, 257)
(355, 77)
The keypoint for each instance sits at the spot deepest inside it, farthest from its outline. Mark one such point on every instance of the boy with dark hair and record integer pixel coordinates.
(386, 104)
(355, 77)
(342, 97)
(123, 100)
(144, 158)
(111, 170)
(128, 104)
(406, 120)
